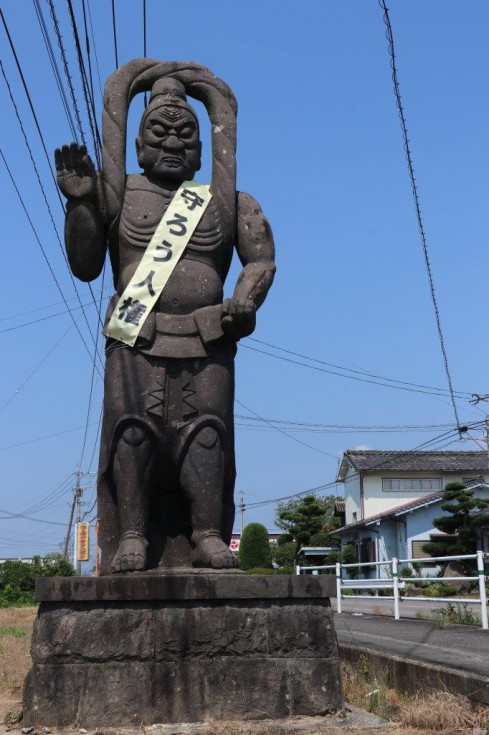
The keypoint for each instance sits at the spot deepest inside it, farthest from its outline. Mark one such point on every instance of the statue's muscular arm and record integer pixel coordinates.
(256, 251)
(85, 236)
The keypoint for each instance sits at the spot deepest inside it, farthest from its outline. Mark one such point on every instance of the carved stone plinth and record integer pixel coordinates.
(179, 647)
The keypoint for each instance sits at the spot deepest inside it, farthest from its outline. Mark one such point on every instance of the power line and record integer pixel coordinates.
(43, 438)
(55, 68)
(397, 93)
(114, 31)
(145, 52)
(67, 71)
(39, 364)
(346, 375)
(26, 90)
(285, 433)
(408, 453)
(45, 318)
(51, 216)
(26, 212)
(443, 391)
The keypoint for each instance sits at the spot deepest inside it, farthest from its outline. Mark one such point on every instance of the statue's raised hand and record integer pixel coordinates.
(75, 172)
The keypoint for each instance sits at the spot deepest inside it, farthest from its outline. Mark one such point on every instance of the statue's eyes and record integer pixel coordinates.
(159, 131)
(187, 132)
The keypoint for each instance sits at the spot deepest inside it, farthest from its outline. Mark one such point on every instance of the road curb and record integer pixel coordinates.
(412, 677)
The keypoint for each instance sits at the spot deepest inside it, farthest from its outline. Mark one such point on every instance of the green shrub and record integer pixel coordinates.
(254, 549)
(17, 578)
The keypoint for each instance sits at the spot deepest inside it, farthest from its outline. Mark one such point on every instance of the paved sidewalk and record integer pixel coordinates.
(461, 647)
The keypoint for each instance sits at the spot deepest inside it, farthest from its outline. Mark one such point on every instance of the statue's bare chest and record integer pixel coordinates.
(141, 214)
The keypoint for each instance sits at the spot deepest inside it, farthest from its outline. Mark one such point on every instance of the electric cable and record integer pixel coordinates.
(407, 454)
(443, 391)
(55, 68)
(409, 159)
(51, 216)
(114, 32)
(89, 103)
(285, 433)
(435, 392)
(26, 212)
(67, 71)
(29, 100)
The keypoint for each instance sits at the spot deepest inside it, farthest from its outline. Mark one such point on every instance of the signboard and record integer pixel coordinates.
(82, 541)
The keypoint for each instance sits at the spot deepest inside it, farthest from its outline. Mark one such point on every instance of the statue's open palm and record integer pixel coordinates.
(75, 172)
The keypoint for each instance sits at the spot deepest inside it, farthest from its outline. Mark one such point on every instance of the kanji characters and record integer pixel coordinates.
(132, 310)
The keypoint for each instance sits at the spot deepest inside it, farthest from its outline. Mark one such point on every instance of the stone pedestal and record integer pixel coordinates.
(181, 647)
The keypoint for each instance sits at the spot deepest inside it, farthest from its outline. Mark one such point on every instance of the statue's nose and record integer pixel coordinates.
(173, 142)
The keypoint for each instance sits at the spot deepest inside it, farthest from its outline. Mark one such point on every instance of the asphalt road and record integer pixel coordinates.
(459, 646)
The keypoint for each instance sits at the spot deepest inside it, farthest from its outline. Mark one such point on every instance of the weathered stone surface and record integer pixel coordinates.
(180, 586)
(118, 694)
(184, 660)
(70, 633)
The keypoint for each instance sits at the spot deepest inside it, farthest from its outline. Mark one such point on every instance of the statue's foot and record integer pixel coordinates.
(131, 554)
(211, 552)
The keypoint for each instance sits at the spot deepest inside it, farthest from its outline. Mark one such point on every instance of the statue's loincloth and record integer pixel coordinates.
(172, 398)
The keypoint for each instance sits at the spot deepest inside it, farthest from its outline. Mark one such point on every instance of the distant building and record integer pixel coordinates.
(236, 539)
(391, 499)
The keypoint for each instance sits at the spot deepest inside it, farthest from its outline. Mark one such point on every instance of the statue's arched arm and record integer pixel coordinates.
(256, 251)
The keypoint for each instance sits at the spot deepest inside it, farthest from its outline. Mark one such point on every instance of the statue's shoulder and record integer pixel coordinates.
(247, 205)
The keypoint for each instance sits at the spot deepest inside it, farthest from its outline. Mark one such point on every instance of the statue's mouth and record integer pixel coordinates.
(172, 161)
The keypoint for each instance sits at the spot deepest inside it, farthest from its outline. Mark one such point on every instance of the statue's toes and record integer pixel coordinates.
(139, 563)
(125, 563)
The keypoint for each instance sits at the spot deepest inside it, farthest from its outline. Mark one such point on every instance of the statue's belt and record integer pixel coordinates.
(165, 249)
(179, 335)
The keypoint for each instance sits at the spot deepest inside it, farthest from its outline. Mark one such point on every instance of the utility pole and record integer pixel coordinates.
(242, 509)
(77, 494)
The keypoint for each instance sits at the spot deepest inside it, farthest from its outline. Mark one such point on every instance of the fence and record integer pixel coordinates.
(397, 582)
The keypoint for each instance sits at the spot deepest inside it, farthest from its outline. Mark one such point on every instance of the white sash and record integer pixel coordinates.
(160, 258)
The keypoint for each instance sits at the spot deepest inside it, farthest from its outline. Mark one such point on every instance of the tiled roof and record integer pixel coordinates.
(372, 460)
(399, 510)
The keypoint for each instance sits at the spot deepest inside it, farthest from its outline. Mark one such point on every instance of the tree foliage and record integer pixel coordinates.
(254, 549)
(305, 522)
(17, 578)
(466, 514)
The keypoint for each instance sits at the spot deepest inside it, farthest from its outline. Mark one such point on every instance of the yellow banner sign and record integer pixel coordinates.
(82, 541)
(160, 258)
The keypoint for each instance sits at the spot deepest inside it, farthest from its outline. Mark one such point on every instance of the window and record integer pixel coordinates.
(354, 514)
(411, 484)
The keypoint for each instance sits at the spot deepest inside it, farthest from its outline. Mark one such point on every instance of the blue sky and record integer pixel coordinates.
(320, 147)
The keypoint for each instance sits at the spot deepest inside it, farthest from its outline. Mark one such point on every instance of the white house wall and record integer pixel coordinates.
(377, 500)
(352, 497)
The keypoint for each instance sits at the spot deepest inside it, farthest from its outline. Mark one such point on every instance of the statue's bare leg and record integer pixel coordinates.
(132, 472)
(202, 482)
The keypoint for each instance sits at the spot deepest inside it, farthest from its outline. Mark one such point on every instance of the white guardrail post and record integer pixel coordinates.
(338, 587)
(395, 584)
(482, 588)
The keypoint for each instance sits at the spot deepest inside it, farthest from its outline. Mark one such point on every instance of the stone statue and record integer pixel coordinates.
(167, 471)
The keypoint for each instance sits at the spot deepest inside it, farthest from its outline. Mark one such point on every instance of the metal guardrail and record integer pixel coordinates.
(397, 582)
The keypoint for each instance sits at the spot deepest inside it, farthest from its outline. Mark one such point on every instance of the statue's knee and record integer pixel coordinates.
(207, 438)
(134, 436)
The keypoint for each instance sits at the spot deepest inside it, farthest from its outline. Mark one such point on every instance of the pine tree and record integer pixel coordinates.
(306, 521)
(463, 521)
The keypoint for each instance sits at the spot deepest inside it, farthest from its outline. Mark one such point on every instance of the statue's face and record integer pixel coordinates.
(169, 146)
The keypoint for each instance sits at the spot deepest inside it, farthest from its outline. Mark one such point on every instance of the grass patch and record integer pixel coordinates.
(15, 632)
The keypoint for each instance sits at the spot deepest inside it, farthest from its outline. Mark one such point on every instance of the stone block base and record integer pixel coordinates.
(181, 648)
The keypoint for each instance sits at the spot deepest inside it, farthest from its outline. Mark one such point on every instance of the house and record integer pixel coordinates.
(392, 497)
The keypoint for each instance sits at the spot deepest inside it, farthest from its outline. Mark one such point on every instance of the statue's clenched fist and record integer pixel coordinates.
(75, 172)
